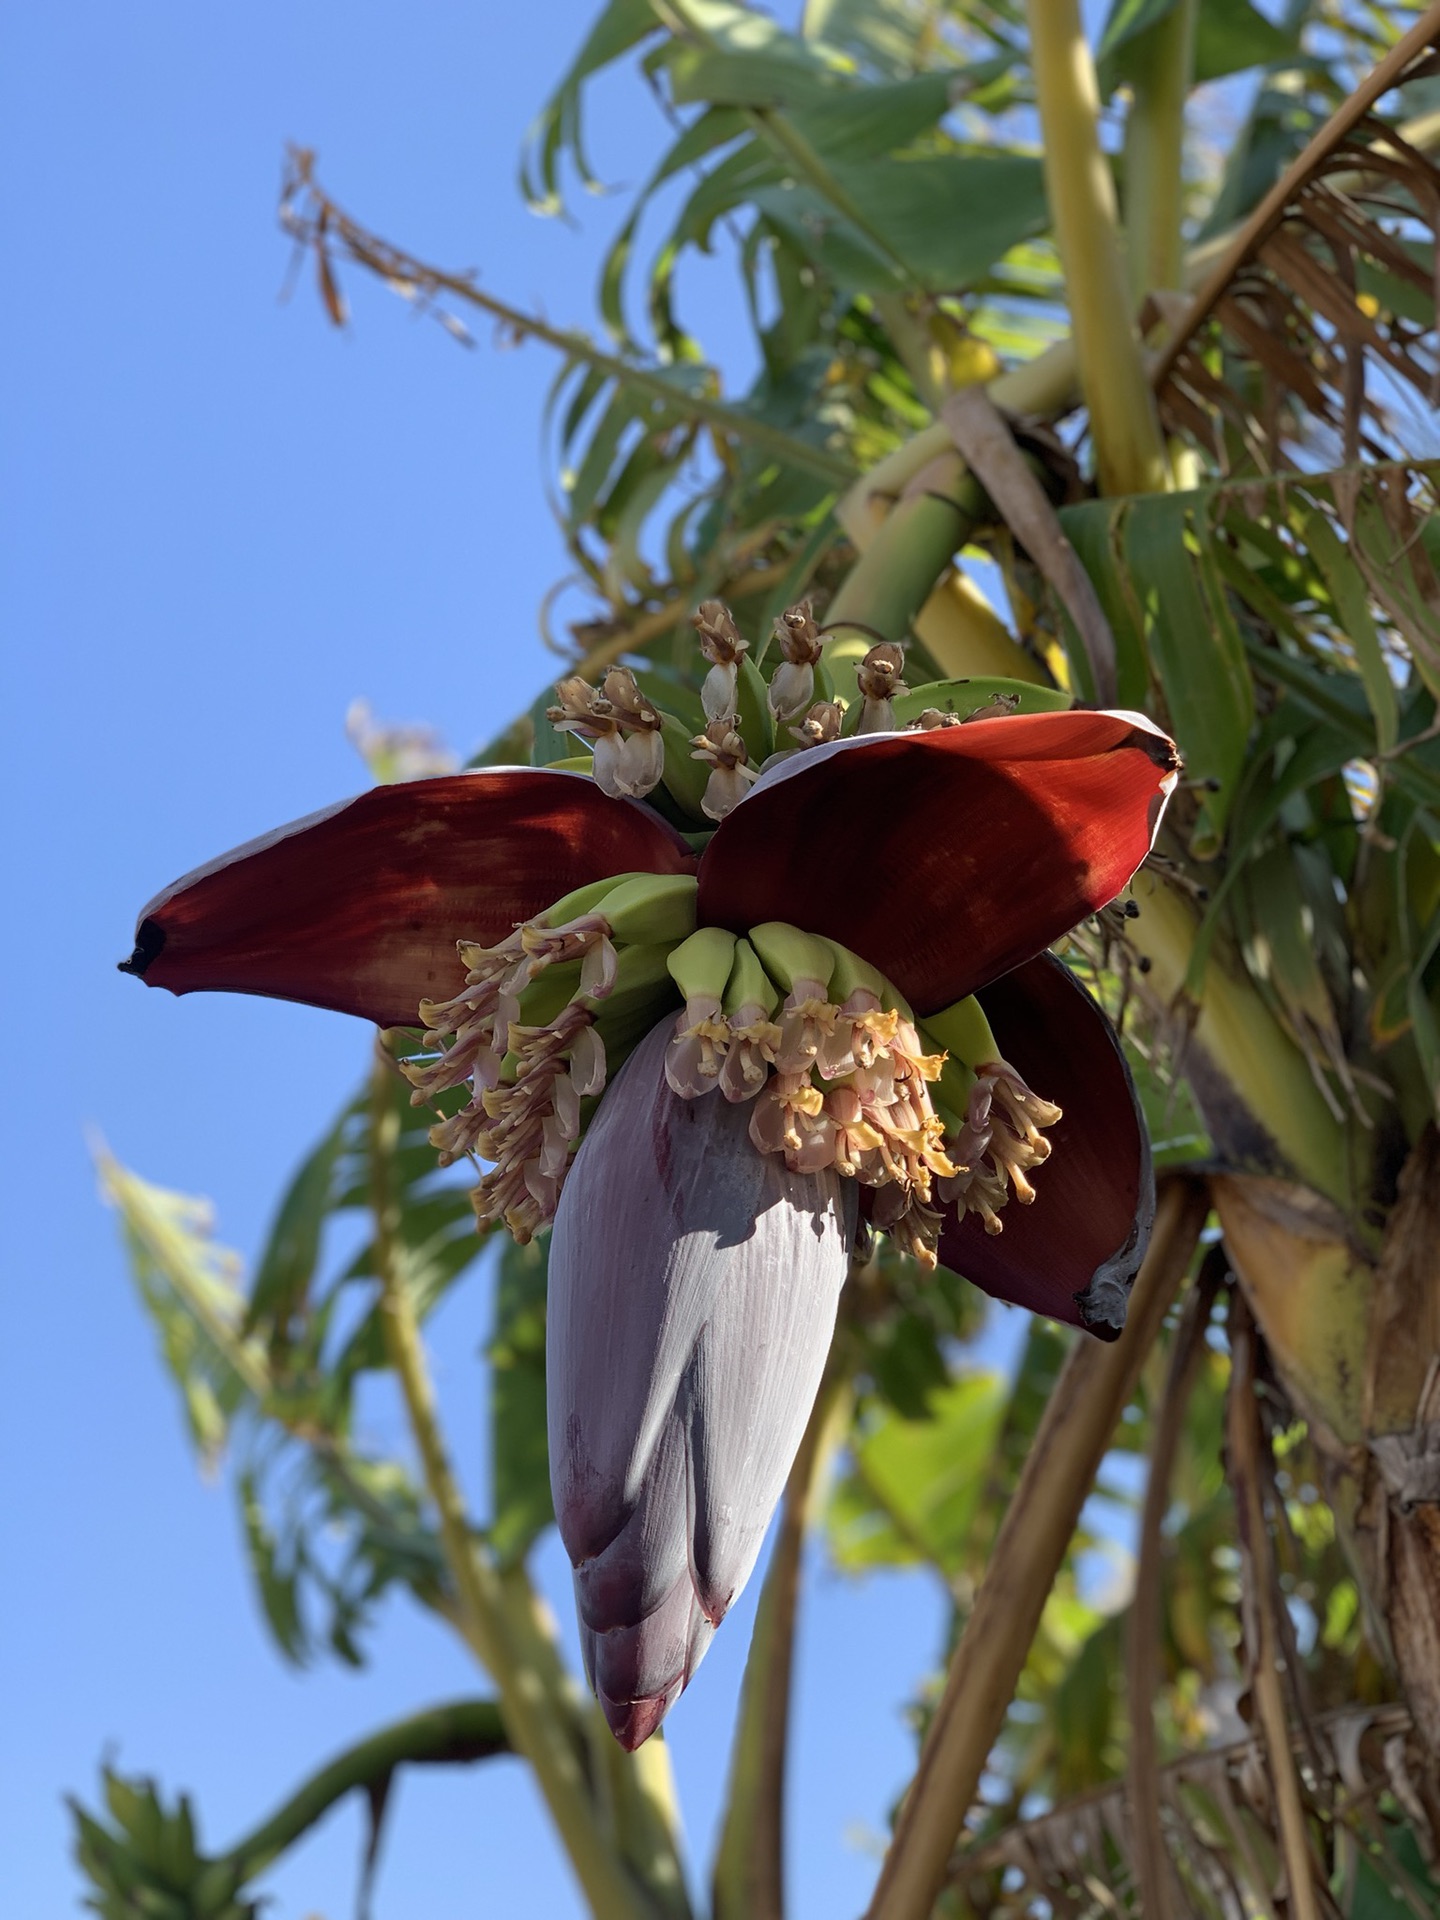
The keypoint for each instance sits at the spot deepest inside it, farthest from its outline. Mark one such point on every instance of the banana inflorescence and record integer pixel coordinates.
(826, 1049)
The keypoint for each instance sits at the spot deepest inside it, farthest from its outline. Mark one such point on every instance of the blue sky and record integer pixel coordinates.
(223, 522)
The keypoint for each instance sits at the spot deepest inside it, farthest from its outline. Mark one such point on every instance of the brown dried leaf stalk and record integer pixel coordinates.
(1142, 1667)
(1270, 1676)
(1398, 1519)
(987, 446)
(1218, 1825)
(1094, 1385)
(319, 226)
(1305, 322)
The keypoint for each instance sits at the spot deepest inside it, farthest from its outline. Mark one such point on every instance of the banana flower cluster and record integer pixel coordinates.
(767, 975)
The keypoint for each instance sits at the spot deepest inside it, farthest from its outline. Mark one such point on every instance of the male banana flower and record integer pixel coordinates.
(714, 1059)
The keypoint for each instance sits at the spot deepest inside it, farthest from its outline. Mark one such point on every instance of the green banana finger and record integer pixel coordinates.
(586, 899)
(749, 984)
(653, 907)
(965, 697)
(852, 974)
(641, 975)
(789, 955)
(700, 966)
(546, 998)
(951, 1092)
(964, 1033)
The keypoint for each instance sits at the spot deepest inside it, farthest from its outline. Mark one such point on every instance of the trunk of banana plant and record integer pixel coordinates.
(1356, 1342)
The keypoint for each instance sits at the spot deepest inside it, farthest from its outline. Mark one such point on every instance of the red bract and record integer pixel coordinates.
(944, 858)
(359, 907)
(1074, 1253)
(692, 1292)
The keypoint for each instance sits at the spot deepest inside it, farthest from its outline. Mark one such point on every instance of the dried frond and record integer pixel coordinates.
(1218, 1821)
(1313, 339)
(320, 227)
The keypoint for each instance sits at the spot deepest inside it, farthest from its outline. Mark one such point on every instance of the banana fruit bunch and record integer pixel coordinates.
(841, 1074)
(838, 1069)
(696, 758)
(544, 1017)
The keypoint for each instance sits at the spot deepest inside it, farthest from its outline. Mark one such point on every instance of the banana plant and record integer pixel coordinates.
(984, 843)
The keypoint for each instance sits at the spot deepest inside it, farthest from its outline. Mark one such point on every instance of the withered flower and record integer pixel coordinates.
(879, 677)
(792, 685)
(723, 646)
(623, 728)
(721, 747)
(821, 724)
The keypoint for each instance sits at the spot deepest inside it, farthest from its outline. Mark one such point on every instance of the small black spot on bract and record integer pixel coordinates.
(149, 941)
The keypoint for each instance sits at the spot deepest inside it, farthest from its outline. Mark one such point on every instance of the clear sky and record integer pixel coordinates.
(221, 522)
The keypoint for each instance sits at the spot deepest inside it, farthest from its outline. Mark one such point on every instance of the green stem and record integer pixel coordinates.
(916, 351)
(893, 577)
(1160, 62)
(1129, 453)
(532, 1722)
(464, 1730)
(638, 1788)
(1042, 386)
(1260, 1062)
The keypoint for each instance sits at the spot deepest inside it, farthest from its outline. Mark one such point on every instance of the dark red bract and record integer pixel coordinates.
(945, 858)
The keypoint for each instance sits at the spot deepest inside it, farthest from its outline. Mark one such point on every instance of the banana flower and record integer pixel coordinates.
(712, 1061)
